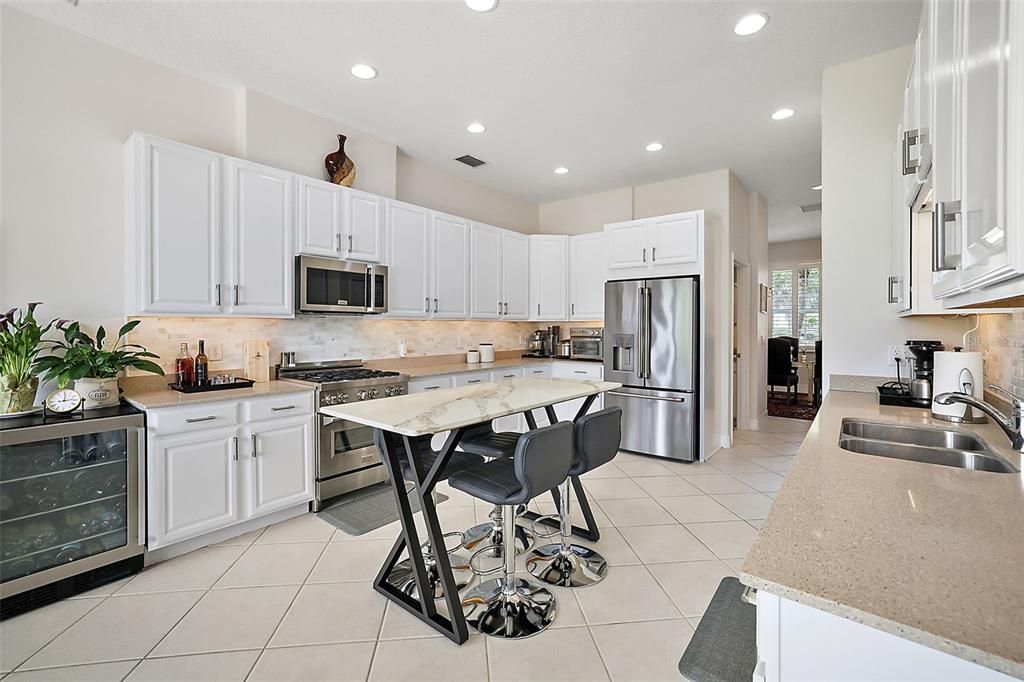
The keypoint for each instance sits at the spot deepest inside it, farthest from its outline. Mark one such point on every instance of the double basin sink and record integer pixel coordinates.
(922, 444)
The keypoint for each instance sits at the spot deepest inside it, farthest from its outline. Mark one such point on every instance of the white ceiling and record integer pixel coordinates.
(786, 223)
(581, 84)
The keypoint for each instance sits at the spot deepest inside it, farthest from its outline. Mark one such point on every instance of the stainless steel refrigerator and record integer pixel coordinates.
(652, 347)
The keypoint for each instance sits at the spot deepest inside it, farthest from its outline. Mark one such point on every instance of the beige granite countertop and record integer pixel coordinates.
(930, 553)
(147, 399)
(449, 367)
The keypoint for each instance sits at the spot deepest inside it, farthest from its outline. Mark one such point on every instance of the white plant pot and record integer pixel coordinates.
(98, 392)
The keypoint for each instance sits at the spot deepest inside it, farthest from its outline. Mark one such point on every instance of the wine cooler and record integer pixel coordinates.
(69, 505)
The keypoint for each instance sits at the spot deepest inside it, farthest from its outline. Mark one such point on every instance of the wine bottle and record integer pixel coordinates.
(184, 366)
(202, 366)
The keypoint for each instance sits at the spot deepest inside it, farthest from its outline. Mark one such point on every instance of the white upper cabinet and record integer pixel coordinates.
(408, 230)
(656, 247)
(674, 240)
(549, 283)
(364, 226)
(259, 210)
(515, 275)
(173, 228)
(627, 244)
(588, 272)
(485, 272)
(449, 260)
(319, 218)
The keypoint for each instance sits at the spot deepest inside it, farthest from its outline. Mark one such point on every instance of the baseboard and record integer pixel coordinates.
(192, 544)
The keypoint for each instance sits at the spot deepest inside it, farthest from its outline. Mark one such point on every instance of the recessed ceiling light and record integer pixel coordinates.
(476, 127)
(817, 188)
(481, 5)
(654, 147)
(751, 24)
(561, 170)
(782, 114)
(364, 71)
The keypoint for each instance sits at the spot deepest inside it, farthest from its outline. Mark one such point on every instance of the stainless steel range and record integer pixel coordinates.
(347, 459)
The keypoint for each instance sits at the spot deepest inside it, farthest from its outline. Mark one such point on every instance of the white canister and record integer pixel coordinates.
(953, 371)
(486, 352)
(472, 357)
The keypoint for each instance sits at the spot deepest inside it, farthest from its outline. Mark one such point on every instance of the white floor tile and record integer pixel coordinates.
(756, 523)
(736, 465)
(612, 546)
(398, 624)
(645, 512)
(746, 505)
(24, 635)
(783, 449)
(325, 663)
(231, 666)
(354, 560)
(661, 642)
(331, 613)
(691, 584)
(552, 656)
(638, 468)
(94, 672)
(609, 470)
(654, 544)
(243, 539)
(435, 659)
(613, 489)
(696, 509)
(727, 539)
(119, 628)
(226, 620)
(286, 564)
(197, 570)
(766, 482)
(305, 528)
(740, 449)
(628, 593)
(779, 465)
(716, 484)
(667, 486)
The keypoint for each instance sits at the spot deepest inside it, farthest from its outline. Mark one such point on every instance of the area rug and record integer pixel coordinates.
(367, 509)
(779, 406)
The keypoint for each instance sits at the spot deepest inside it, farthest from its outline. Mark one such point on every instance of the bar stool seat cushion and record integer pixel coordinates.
(493, 482)
(489, 443)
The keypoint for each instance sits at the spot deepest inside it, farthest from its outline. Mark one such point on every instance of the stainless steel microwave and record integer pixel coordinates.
(326, 285)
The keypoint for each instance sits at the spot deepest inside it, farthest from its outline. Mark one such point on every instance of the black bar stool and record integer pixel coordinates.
(507, 606)
(402, 575)
(483, 440)
(596, 439)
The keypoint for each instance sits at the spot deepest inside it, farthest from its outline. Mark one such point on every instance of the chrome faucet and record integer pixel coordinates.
(1011, 425)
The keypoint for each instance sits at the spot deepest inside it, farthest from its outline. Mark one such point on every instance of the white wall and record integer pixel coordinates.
(589, 213)
(795, 251)
(861, 102)
(762, 321)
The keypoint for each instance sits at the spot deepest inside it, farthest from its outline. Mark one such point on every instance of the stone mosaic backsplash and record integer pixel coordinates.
(329, 337)
(1001, 340)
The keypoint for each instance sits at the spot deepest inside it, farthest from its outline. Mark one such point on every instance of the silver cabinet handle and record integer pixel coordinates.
(431, 388)
(200, 419)
(648, 397)
(473, 381)
(254, 446)
(234, 294)
(234, 445)
(218, 293)
(508, 376)
(537, 371)
(337, 238)
(350, 242)
(280, 409)
(506, 307)
(499, 307)
(942, 213)
(572, 309)
(910, 138)
(579, 371)
(654, 253)
(435, 305)
(645, 254)
(426, 306)
(538, 308)
(892, 297)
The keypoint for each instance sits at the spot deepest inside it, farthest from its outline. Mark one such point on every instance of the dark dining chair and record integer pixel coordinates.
(794, 344)
(817, 372)
(780, 367)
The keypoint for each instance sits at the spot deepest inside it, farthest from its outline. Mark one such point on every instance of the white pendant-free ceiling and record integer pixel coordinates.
(582, 85)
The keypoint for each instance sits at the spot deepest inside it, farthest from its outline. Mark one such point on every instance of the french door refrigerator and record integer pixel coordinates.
(652, 348)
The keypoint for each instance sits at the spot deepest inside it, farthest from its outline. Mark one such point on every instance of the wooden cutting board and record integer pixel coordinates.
(256, 353)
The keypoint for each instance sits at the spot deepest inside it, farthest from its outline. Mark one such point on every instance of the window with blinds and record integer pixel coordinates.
(796, 302)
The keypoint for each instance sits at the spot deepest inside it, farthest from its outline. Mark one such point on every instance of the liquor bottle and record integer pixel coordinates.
(202, 366)
(184, 367)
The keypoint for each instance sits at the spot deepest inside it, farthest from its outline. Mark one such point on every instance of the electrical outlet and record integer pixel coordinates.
(214, 351)
(897, 351)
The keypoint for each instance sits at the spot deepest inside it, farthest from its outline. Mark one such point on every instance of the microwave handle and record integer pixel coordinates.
(370, 285)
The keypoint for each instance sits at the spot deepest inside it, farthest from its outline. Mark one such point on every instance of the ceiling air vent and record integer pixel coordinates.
(810, 208)
(470, 161)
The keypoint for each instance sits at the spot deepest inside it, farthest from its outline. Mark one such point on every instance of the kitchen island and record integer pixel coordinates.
(863, 559)
(412, 416)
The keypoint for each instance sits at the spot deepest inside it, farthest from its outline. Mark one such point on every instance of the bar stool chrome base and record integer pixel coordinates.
(516, 613)
(403, 577)
(577, 566)
(491, 533)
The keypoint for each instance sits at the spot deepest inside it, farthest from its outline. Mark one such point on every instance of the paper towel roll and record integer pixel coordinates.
(951, 371)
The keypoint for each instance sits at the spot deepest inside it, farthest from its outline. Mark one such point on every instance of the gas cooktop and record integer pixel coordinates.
(335, 375)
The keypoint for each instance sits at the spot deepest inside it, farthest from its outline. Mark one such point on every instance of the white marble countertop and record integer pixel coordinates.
(165, 397)
(422, 414)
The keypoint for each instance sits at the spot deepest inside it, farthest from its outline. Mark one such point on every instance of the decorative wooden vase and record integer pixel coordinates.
(340, 169)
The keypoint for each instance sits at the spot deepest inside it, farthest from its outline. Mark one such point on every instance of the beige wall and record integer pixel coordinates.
(796, 251)
(589, 213)
(762, 321)
(422, 184)
(861, 102)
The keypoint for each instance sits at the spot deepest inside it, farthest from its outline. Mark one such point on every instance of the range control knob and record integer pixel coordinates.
(390, 391)
(373, 393)
(399, 390)
(361, 395)
(343, 398)
(330, 399)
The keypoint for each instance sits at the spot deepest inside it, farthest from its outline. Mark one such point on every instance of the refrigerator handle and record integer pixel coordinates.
(640, 333)
(647, 332)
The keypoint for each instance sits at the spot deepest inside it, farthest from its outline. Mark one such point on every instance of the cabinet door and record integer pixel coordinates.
(675, 240)
(898, 286)
(923, 60)
(983, 145)
(177, 229)
(549, 283)
(320, 211)
(515, 274)
(408, 234)
(627, 245)
(587, 275)
(450, 267)
(281, 456)
(485, 272)
(192, 485)
(260, 204)
(363, 226)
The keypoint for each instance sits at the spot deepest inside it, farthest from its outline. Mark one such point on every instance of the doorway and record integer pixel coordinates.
(740, 333)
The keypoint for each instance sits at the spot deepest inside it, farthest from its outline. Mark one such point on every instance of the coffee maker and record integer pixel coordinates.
(544, 342)
(924, 370)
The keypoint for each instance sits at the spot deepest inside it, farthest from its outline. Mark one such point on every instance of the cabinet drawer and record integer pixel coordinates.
(536, 371)
(507, 373)
(287, 405)
(188, 419)
(430, 384)
(577, 370)
(472, 378)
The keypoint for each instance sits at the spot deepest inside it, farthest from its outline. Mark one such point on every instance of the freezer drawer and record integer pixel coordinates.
(660, 423)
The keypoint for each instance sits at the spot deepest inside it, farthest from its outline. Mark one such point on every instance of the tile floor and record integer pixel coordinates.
(294, 602)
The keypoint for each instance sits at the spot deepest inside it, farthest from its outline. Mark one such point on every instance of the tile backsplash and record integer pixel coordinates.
(328, 337)
(1001, 339)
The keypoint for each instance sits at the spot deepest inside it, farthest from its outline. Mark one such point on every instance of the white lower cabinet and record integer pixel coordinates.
(209, 468)
(577, 370)
(513, 422)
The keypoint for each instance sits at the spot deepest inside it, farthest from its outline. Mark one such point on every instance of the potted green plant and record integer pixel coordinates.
(92, 367)
(20, 343)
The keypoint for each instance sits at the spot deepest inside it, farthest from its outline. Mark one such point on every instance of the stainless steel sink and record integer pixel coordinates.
(922, 444)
